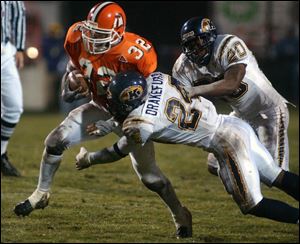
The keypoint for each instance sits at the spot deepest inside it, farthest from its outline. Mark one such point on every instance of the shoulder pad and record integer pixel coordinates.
(179, 63)
(232, 49)
(74, 33)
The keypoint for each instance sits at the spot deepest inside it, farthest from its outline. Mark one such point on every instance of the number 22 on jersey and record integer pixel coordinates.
(176, 110)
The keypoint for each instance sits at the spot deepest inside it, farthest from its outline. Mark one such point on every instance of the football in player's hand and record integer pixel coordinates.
(76, 80)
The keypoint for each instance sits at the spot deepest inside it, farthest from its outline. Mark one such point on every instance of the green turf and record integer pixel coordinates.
(107, 203)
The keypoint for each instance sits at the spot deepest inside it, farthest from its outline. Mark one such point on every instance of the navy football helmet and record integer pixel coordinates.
(197, 38)
(126, 92)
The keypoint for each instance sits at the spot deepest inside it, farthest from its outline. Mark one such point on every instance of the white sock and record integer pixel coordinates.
(49, 165)
(37, 196)
(3, 146)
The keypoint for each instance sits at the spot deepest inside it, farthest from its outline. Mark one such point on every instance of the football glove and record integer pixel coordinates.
(101, 127)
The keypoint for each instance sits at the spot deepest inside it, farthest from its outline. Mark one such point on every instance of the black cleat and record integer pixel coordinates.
(7, 168)
(23, 208)
(185, 231)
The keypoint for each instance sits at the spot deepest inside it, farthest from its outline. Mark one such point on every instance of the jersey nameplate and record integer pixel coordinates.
(155, 95)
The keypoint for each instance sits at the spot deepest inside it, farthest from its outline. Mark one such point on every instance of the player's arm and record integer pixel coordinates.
(135, 135)
(232, 80)
(71, 76)
(73, 49)
(120, 149)
(233, 58)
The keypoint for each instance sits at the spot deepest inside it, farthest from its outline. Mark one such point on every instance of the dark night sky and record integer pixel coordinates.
(158, 21)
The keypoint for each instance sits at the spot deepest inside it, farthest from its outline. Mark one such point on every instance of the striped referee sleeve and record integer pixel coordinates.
(5, 24)
(18, 24)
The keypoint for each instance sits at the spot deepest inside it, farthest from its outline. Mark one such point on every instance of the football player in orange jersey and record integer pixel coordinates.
(99, 48)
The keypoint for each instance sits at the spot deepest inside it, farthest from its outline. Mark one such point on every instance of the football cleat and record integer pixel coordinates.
(38, 200)
(184, 227)
(23, 208)
(7, 168)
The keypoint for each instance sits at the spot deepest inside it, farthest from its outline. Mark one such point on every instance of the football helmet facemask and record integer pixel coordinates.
(197, 38)
(104, 27)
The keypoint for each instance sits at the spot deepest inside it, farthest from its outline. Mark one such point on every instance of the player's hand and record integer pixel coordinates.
(82, 159)
(69, 95)
(19, 59)
(189, 91)
(101, 127)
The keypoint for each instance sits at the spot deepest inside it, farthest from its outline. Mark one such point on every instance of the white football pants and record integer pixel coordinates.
(244, 162)
(11, 94)
(272, 131)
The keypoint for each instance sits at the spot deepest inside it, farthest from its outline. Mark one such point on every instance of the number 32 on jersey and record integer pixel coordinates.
(142, 46)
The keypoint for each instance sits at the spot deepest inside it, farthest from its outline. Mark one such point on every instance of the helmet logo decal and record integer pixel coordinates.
(118, 21)
(186, 35)
(131, 93)
(205, 25)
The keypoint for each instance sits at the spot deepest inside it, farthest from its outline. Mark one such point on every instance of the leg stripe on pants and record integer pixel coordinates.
(7, 124)
(281, 139)
(237, 177)
(4, 138)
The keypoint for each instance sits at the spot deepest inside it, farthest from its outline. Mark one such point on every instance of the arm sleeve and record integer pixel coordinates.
(114, 153)
(19, 24)
(109, 154)
(134, 138)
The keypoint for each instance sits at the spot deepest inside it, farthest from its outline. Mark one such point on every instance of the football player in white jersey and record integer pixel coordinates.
(162, 112)
(222, 66)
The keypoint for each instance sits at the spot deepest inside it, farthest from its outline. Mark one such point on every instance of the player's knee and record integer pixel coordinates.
(156, 185)
(12, 114)
(212, 164)
(55, 143)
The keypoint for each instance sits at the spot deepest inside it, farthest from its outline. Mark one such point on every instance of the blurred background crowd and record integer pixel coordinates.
(269, 28)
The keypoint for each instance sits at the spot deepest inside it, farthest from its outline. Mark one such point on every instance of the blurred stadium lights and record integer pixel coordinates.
(32, 52)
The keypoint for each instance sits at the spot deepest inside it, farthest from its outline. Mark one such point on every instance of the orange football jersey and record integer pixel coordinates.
(132, 53)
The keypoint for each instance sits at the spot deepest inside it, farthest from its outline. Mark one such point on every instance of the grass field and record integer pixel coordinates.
(107, 203)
